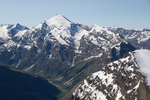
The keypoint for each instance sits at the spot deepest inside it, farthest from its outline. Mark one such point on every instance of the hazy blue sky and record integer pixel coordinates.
(119, 13)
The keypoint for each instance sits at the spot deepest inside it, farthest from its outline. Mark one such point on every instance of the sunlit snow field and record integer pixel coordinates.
(142, 58)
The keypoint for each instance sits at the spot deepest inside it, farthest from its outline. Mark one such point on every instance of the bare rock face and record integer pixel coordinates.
(119, 80)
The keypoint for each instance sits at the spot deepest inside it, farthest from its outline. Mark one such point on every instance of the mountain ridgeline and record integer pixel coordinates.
(64, 52)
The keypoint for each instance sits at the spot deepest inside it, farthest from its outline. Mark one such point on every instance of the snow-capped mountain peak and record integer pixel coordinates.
(58, 21)
(97, 28)
(21, 27)
(57, 28)
(7, 31)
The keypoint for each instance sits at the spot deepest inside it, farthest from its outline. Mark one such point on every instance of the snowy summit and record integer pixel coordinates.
(58, 21)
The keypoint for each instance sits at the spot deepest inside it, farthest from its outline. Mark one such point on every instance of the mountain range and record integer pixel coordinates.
(65, 53)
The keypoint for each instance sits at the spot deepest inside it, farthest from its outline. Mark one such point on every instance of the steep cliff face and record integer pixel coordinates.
(119, 80)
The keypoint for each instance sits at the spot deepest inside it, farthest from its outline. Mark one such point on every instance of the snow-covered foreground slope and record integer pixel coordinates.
(119, 80)
(142, 58)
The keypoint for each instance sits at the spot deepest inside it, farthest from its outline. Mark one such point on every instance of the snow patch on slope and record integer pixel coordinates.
(97, 56)
(78, 36)
(20, 33)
